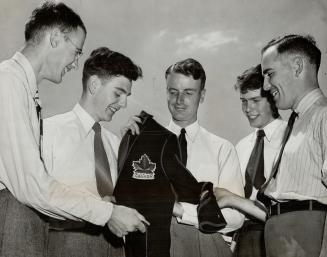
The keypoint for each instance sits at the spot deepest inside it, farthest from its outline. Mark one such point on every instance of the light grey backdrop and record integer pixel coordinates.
(224, 35)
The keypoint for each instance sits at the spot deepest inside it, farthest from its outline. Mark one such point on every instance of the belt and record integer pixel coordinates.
(294, 205)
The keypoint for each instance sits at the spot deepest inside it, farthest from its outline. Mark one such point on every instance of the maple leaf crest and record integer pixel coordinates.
(144, 168)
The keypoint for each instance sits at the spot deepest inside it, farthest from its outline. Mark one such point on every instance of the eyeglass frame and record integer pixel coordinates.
(78, 51)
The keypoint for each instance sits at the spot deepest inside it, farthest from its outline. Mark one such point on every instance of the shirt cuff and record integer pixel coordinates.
(190, 215)
(102, 213)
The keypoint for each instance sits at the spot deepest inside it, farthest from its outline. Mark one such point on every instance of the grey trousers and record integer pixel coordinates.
(188, 241)
(23, 231)
(295, 234)
(81, 244)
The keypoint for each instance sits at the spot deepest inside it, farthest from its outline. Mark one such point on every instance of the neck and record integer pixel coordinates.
(183, 124)
(36, 59)
(88, 107)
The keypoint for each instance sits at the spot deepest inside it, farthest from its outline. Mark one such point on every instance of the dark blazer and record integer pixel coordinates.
(150, 178)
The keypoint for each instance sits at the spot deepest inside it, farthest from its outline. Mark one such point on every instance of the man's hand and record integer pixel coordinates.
(132, 126)
(124, 220)
(178, 210)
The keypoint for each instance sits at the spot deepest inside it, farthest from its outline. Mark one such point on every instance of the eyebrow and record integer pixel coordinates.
(251, 98)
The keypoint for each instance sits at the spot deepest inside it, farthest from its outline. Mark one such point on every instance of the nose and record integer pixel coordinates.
(123, 101)
(180, 98)
(266, 83)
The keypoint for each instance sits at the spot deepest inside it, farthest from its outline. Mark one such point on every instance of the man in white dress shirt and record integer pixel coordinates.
(297, 189)
(54, 38)
(69, 153)
(259, 108)
(209, 158)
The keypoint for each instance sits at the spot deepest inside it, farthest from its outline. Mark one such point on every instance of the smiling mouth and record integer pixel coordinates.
(252, 117)
(274, 92)
(113, 109)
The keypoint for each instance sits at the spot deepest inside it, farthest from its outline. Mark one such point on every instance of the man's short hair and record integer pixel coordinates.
(50, 15)
(106, 63)
(300, 44)
(188, 67)
(252, 79)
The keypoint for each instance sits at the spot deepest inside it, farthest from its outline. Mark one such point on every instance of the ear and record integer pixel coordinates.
(55, 37)
(94, 84)
(203, 92)
(297, 65)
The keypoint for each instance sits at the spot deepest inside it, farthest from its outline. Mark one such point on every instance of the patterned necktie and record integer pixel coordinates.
(254, 174)
(263, 198)
(102, 168)
(183, 144)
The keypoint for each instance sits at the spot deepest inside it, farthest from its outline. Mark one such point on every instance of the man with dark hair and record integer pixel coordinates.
(69, 149)
(297, 184)
(256, 153)
(55, 36)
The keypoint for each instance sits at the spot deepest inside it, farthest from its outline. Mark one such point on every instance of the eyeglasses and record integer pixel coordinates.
(78, 51)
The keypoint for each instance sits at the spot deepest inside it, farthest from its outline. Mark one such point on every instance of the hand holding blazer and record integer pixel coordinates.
(151, 178)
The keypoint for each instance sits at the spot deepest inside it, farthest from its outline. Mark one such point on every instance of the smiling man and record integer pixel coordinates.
(256, 153)
(297, 188)
(207, 156)
(54, 38)
(72, 151)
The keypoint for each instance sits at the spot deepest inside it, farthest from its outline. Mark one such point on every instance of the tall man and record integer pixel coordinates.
(256, 153)
(208, 157)
(71, 154)
(54, 38)
(297, 186)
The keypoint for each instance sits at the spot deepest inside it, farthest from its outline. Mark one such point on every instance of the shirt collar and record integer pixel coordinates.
(86, 120)
(191, 130)
(28, 69)
(308, 100)
(269, 129)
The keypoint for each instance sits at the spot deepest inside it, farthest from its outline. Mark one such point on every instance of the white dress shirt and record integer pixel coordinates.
(22, 171)
(303, 168)
(68, 149)
(214, 159)
(274, 132)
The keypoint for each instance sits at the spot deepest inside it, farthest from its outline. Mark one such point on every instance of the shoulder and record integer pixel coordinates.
(64, 121)
(215, 140)
(244, 142)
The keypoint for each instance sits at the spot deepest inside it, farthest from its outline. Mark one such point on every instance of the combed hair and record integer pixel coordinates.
(50, 15)
(106, 63)
(188, 67)
(301, 44)
(252, 79)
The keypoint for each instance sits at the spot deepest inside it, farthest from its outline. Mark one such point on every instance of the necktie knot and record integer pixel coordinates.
(183, 131)
(96, 127)
(260, 133)
(292, 118)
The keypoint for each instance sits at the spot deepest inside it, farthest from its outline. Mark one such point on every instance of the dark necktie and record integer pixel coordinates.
(275, 168)
(183, 144)
(102, 169)
(39, 117)
(254, 174)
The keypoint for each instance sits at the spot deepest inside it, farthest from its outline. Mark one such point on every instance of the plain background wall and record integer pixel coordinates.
(224, 35)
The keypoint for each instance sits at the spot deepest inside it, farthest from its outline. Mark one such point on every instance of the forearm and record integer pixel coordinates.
(227, 199)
